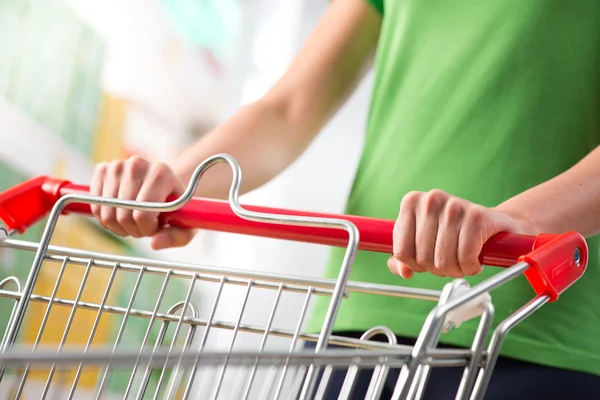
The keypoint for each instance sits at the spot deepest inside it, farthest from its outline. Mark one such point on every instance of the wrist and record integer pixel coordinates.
(523, 222)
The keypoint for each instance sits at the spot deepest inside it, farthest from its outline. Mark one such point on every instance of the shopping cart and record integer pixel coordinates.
(174, 357)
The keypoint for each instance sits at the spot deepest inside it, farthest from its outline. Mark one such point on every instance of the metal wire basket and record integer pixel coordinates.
(55, 344)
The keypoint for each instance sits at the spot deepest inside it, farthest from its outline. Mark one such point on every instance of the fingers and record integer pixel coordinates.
(158, 185)
(110, 188)
(446, 258)
(440, 234)
(133, 174)
(470, 243)
(139, 180)
(96, 188)
(404, 237)
(428, 210)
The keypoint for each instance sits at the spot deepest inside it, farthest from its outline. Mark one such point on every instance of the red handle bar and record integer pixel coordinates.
(561, 259)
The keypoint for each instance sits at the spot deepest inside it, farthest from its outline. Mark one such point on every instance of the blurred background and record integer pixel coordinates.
(84, 81)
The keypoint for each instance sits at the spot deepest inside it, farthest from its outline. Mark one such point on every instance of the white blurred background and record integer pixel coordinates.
(97, 80)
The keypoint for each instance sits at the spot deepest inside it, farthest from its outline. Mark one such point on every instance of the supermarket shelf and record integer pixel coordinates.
(32, 150)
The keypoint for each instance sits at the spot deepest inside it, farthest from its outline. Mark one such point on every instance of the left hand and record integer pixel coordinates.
(442, 234)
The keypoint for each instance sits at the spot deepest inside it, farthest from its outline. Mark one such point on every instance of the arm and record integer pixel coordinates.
(442, 234)
(282, 124)
(265, 137)
(569, 201)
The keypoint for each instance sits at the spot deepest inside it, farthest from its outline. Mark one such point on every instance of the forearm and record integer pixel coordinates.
(570, 201)
(267, 136)
(263, 137)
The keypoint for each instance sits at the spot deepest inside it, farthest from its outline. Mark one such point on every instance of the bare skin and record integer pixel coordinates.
(435, 232)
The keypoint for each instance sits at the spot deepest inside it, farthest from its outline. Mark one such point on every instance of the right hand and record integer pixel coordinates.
(138, 179)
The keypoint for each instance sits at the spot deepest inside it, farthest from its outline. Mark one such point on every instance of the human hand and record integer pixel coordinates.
(137, 179)
(442, 234)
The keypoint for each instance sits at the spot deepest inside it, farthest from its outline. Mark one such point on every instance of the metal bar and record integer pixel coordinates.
(178, 327)
(496, 342)
(235, 331)
(209, 323)
(132, 263)
(433, 324)
(335, 340)
(364, 359)
(295, 337)
(470, 373)
(214, 278)
(106, 369)
(43, 324)
(263, 341)
(150, 323)
(4, 283)
(380, 372)
(94, 327)
(322, 388)
(68, 327)
(179, 370)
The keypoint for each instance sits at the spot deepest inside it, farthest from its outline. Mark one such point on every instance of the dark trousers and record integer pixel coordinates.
(511, 380)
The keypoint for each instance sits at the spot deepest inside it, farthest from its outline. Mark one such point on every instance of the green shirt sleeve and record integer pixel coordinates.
(378, 4)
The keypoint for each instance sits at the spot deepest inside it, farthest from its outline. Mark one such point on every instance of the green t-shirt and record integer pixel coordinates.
(482, 99)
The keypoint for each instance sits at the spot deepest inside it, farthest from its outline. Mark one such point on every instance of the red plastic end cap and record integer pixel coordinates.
(556, 263)
(28, 202)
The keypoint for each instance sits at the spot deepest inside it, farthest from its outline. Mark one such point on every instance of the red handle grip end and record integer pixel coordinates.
(557, 262)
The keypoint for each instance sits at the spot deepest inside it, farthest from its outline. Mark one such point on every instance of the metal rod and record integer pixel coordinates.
(43, 325)
(195, 313)
(186, 270)
(149, 329)
(126, 314)
(68, 327)
(294, 340)
(470, 372)
(433, 324)
(263, 341)
(209, 323)
(362, 358)
(94, 327)
(235, 332)
(336, 340)
(380, 372)
(496, 342)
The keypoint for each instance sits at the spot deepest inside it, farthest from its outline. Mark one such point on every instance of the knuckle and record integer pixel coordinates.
(141, 217)
(404, 255)
(115, 168)
(468, 260)
(477, 215)
(100, 168)
(444, 264)
(434, 200)
(135, 166)
(411, 199)
(160, 171)
(454, 209)
(123, 217)
(108, 215)
(424, 261)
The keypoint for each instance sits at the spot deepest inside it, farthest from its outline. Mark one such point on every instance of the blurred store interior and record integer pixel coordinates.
(83, 81)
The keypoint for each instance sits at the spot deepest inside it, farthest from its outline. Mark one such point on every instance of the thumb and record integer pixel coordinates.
(399, 268)
(170, 237)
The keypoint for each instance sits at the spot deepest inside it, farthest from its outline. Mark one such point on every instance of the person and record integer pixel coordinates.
(484, 118)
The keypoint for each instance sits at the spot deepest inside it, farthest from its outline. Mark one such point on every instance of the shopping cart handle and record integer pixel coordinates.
(559, 260)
